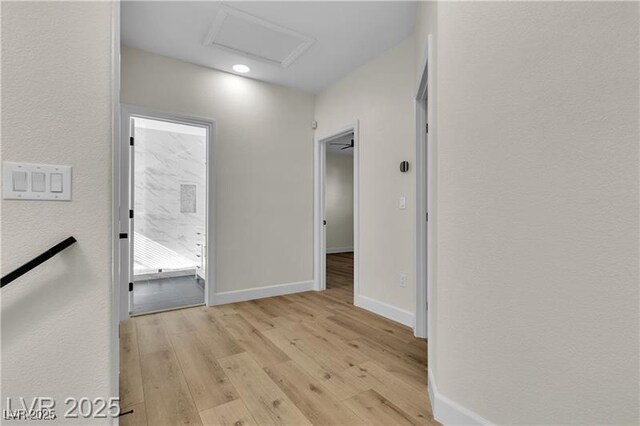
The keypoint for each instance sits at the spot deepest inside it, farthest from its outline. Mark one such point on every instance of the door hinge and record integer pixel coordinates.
(123, 235)
(427, 216)
(130, 214)
(427, 127)
(130, 286)
(131, 140)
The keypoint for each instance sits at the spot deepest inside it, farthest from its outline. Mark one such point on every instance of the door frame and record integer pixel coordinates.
(425, 201)
(319, 212)
(121, 208)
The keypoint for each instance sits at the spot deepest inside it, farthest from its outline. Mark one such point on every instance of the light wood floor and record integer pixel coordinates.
(306, 358)
(340, 273)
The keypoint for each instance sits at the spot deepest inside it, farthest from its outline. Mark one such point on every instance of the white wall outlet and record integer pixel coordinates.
(402, 204)
(403, 280)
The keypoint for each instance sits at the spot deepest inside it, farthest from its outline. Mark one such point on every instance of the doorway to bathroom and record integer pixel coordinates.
(167, 200)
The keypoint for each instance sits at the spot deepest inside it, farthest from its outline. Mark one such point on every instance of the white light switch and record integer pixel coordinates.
(402, 204)
(19, 180)
(56, 182)
(38, 182)
(27, 181)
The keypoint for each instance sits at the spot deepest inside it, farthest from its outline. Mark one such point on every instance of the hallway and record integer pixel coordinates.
(340, 276)
(296, 359)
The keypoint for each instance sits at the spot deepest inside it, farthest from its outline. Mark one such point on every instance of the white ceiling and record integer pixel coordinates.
(345, 35)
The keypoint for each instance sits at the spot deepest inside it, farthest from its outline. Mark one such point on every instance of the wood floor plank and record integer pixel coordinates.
(325, 370)
(128, 326)
(130, 375)
(167, 397)
(176, 322)
(252, 340)
(315, 402)
(152, 337)
(394, 329)
(273, 306)
(315, 309)
(394, 362)
(405, 396)
(208, 384)
(411, 351)
(256, 317)
(325, 348)
(213, 334)
(263, 398)
(377, 410)
(137, 418)
(233, 413)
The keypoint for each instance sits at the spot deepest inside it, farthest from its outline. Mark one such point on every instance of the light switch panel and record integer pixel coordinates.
(56, 182)
(19, 181)
(38, 181)
(402, 203)
(27, 181)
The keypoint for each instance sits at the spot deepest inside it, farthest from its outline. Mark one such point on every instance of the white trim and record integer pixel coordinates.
(383, 309)
(319, 234)
(449, 412)
(425, 246)
(262, 292)
(129, 111)
(115, 194)
(333, 250)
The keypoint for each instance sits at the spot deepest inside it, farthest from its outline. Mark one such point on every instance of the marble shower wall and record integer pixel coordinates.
(170, 185)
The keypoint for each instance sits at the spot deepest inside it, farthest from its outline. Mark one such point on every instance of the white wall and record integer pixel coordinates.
(339, 201)
(537, 273)
(56, 109)
(263, 164)
(380, 95)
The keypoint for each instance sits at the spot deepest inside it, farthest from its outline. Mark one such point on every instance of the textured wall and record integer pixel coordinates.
(339, 201)
(263, 164)
(537, 286)
(56, 109)
(380, 95)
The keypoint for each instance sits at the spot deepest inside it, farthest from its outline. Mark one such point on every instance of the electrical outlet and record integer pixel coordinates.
(403, 280)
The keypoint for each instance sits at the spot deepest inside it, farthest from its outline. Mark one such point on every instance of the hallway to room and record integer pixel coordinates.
(306, 358)
(340, 276)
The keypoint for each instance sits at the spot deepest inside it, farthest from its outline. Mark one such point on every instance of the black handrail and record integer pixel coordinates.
(37, 261)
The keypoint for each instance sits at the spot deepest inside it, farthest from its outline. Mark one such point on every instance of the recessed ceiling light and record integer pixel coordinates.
(241, 68)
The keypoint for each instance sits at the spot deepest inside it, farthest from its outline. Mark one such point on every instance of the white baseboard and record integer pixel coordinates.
(334, 250)
(261, 292)
(390, 312)
(449, 412)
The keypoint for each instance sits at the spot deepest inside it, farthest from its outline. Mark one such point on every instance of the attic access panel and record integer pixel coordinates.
(250, 36)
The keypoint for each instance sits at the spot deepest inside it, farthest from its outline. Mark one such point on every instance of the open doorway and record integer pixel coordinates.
(336, 214)
(166, 195)
(338, 196)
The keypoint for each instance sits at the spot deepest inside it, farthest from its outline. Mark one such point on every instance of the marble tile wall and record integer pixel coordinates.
(169, 190)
